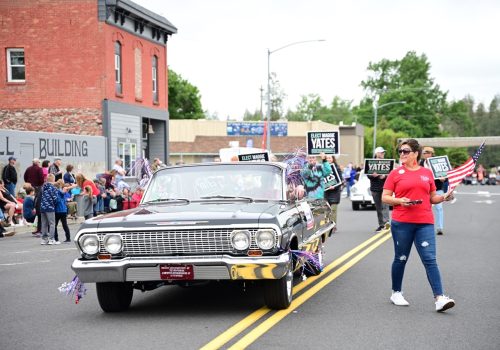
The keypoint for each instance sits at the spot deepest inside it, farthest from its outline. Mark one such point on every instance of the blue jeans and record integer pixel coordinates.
(11, 188)
(422, 235)
(438, 212)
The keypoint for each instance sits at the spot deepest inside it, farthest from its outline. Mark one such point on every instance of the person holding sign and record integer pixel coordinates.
(376, 187)
(441, 187)
(410, 189)
(314, 174)
(333, 188)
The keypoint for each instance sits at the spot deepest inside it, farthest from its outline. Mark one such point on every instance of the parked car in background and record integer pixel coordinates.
(361, 196)
(205, 222)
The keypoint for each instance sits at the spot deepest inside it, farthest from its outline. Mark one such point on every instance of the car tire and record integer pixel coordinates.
(278, 293)
(355, 206)
(114, 296)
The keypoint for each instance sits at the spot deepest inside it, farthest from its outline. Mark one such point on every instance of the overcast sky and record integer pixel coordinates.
(221, 46)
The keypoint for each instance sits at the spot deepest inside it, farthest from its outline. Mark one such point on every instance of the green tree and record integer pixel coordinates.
(458, 118)
(184, 100)
(405, 80)
(255, 116)
(386, 138)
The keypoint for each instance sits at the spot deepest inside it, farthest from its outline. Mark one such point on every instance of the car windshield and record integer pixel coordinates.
(216, 182)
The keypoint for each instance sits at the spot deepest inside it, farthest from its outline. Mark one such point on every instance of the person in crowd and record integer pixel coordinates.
(314, 175)
(34, 175)
(82, 182)
(99, 207)
(68, 176)
(89, 201)
(108, 177)
(376, 187)
(61, 211)
(70, 200)
(441, 188)
(45, 169)
(333, 194)
(9, 176)
(119, 170)
(157, 164)
(29, 211)
(493, 174)
(347, 178)
(137, 195)
(410, 189)
(55, 168)
(48, 203)
(8, 204)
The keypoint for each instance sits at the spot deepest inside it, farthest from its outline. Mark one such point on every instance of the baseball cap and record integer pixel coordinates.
(12, 158)
(379, 150)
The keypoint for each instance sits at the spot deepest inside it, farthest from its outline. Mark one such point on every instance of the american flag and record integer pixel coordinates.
(456, 175)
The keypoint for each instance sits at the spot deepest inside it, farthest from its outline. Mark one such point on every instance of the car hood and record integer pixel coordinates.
(192, 214)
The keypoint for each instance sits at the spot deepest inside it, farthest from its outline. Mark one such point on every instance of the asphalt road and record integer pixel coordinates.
(347, 307)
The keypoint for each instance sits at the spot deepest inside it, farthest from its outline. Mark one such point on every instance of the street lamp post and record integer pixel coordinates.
(375, 108)
(268, 113)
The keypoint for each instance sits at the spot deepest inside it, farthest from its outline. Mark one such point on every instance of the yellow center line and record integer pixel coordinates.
(279, 315)
(239, 327)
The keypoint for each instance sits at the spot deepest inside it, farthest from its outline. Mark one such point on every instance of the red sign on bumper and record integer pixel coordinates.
(176, 272)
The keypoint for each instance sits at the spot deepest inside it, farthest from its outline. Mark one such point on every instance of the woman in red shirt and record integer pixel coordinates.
(413, 221)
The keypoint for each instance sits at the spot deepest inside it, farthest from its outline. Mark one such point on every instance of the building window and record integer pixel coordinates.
(118, 67)
(16, 70)
(155, 78)
(138, 73)
(127, 151)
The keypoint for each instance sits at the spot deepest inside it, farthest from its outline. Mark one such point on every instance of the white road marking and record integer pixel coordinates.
(25, 262)
(488, 201)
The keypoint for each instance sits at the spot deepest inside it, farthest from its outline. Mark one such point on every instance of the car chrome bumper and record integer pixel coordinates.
(220, 267)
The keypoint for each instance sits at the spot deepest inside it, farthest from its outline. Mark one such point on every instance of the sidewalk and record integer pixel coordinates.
(21, 229)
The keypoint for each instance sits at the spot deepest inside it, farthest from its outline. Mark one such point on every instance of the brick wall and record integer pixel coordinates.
(80, 121)
(64, 45)
(129, 44)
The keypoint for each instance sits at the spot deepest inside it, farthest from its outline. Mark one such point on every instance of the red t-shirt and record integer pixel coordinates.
(414, 185)
(92, 185)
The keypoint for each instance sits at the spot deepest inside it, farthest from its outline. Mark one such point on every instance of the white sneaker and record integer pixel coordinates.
(53, 242)
(398, 299)
(444, 303)
(44, 241)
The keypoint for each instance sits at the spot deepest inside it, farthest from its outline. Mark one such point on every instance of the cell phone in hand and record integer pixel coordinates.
(414, 202)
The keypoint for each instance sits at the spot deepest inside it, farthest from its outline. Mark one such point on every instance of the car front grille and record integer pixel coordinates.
(177, 242)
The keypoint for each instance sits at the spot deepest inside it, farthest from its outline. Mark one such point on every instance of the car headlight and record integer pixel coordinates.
(89, 244)
(265, 239)
(113, 243)
(240, 240)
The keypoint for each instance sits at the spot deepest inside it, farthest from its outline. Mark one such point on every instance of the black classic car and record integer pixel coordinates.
(203, 222)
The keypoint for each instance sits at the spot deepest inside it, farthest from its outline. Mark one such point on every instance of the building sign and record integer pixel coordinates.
(379, 166)
(254, 157)
(255, 129)
(323, 142)
(333, 180)
(439, 166)
(50, 145)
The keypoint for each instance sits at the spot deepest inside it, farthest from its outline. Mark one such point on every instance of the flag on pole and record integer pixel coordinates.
(264, 136)
(456, 175)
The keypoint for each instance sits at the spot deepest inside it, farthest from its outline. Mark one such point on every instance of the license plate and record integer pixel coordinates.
(176, 272)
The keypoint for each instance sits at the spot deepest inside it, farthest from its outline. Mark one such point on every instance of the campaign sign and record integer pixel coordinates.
(323, 142)
(254, 157)
(379, 166)
(333, 180)
(439, 166)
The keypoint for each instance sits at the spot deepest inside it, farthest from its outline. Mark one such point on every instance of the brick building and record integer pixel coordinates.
(84, 67)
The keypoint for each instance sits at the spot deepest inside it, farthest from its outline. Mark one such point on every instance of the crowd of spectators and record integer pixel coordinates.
(50, 196)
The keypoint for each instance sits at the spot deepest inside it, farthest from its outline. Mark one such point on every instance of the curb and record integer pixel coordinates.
(21, 229)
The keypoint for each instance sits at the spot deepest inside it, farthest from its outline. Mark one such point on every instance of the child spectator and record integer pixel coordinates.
(61, 210)
(29, 211)
(137, 196)
(47, 208)
(68, 177)
(88, 202)
(45, 169)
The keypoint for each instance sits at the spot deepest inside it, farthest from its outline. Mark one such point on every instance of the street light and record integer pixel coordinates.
(375, 108)
(268, 113)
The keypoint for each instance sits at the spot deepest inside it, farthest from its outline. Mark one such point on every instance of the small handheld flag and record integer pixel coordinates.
(456, 175)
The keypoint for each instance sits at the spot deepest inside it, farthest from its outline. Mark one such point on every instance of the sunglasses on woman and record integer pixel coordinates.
(404, 151)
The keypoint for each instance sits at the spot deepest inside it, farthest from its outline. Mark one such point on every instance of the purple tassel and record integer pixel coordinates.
(76, 289)
(309, 260)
